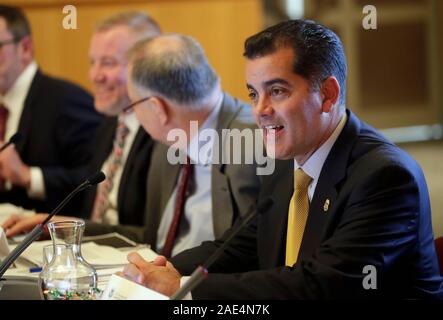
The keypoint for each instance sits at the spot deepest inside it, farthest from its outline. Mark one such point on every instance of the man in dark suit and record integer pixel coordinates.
(350, 214)
(55, 118)
(125, 202)
(218, 191)
(121, 198)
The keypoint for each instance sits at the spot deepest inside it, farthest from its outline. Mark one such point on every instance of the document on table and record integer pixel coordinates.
(93, 253)
(119, 288)
(7, 209)
(105, 259)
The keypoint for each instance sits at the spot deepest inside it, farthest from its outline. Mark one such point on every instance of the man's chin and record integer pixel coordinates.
(281, 154)
(107, 107)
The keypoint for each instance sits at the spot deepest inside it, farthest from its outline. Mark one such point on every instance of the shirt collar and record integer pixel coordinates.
(196, 145)
(130, 120)
(20, 87)
(315, 163)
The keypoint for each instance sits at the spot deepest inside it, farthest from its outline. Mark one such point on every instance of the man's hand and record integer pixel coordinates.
(13, 169)
(159, 275)
(17, 224)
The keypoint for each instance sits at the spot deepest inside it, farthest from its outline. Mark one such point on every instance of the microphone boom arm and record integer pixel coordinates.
(201, 272)
(38, 229)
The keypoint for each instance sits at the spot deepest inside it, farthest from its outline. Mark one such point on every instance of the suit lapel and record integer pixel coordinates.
(162, 178)
(273, 222)
(222, 208)
(24, 126)
(127, 170)
(170, 175)
(228, 112)
(322, 207)
(105, 142)
(102, 145)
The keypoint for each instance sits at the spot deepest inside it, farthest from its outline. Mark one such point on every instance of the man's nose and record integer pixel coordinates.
(96, 74)
(263, 107)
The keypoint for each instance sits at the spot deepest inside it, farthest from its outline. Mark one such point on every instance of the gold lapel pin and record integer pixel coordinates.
(326, 205)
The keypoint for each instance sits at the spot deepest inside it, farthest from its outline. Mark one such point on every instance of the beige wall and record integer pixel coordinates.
(221, 26)
(430, 156)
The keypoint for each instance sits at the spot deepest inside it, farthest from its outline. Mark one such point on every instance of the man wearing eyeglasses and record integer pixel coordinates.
(175, 90)
(171, 84)
(121, 149)
(55, 119)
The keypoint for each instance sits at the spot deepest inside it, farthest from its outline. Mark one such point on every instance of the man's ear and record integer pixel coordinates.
(161, 110)
(27, 48)
(330, 93)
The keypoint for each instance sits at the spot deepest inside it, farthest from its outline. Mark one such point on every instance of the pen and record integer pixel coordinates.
(36, 269)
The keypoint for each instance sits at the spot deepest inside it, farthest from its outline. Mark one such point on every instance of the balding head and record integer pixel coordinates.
(175, 67)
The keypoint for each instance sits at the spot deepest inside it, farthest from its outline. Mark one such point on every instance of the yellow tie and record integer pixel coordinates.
(298, 214)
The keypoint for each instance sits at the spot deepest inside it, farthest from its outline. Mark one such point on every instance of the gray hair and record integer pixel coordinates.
(138, 21)
(173, 66)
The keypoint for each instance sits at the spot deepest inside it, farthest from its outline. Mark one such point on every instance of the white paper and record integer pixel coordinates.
(119, 288)
(4, 247)
(7, 209)
(91, 252)
(106, 260)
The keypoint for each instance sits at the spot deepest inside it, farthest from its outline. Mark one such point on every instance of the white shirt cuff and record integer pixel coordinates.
(183, 280)
(37, 188)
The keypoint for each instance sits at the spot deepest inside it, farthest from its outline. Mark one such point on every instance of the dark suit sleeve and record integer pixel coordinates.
(77, 122)
(378, 227)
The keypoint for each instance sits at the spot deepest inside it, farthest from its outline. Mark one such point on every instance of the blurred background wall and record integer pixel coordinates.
(221, 26)
(394, 72)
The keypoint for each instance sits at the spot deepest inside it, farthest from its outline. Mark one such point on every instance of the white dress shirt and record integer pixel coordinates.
(197, 222)
(14, 101)
(111, 215)
(314, 164)
(312, 167)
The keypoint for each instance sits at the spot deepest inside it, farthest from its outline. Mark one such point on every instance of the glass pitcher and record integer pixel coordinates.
(68, 276)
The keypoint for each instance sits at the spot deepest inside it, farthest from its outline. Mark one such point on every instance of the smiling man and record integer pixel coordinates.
(56, 119)
(345, 200)
(122, 149)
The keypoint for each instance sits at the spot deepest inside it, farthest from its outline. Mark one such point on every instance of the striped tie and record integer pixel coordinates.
(298, 214)
(114, 162)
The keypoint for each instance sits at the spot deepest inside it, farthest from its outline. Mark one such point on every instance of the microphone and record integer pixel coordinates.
(201, 272)
(38, 229)
(16, 137)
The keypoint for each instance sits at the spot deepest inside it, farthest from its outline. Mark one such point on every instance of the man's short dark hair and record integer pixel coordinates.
(318, 50)
(16, 21)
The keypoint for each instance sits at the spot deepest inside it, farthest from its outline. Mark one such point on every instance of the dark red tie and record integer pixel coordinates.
(182, 194)
(4, 113)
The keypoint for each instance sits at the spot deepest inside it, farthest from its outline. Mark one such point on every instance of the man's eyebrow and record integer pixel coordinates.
(275, 81)
(270, 83)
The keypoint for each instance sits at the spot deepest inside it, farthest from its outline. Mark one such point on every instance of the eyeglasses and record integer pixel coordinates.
(129, 108)
(4, 43)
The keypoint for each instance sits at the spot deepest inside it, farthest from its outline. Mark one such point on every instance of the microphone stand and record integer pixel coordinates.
(38, 229)
(201, 272)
